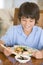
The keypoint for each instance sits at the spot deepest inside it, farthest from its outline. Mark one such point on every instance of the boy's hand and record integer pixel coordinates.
(1, 48)
(7, 51)
(37, 55)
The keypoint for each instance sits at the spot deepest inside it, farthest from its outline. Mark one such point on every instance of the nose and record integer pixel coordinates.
(27, 22)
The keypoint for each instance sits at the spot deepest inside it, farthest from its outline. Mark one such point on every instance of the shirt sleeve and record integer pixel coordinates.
(40, 46)
(9, 37)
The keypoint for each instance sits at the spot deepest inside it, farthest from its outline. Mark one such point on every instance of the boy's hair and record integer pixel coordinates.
(29, 10)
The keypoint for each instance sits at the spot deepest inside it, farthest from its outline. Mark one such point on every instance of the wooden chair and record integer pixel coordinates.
(40, 22)
(16, 21)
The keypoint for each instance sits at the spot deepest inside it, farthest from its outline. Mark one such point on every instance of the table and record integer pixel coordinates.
(11, 60)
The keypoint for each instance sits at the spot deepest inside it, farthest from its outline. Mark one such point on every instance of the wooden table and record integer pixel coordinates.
(11, 61)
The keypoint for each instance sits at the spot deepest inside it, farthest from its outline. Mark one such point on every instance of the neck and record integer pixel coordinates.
(27, 32)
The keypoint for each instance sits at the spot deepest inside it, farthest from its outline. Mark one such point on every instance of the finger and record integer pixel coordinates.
(6, 52)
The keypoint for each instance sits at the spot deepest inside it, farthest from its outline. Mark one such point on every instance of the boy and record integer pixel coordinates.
(26, 33)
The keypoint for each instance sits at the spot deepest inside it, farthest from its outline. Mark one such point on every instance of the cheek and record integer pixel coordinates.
(23, 23)
(33, 23)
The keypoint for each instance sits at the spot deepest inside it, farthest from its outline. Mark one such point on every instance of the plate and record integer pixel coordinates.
(23, 50)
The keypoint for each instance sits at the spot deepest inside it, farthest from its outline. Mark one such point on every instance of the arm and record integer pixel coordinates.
(8, 40)
(42, 53)
(1, 48)
(6, 50)
(38, 54)
(9, 37)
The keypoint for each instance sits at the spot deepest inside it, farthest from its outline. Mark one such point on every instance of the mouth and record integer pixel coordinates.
(27, 27)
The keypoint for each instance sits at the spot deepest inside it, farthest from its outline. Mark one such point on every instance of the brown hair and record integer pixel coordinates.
(29, 10)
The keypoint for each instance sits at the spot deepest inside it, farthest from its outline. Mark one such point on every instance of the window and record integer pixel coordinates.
(1, 3)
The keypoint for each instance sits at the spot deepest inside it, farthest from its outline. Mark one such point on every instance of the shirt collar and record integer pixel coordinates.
(20, 30)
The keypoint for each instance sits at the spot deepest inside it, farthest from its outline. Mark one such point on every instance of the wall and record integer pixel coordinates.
(40, 3)
(1, 4)
(8, 4)
(17, 3)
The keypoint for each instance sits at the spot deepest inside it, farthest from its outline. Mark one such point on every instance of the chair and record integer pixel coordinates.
(16, 20)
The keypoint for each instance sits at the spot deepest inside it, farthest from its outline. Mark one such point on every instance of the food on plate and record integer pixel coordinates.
(20, 49)
(23, 50)
(22, 58)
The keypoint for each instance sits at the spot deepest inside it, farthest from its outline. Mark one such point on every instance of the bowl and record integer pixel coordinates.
(22, 58)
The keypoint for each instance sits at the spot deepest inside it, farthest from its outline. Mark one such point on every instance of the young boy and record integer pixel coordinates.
(27, 33)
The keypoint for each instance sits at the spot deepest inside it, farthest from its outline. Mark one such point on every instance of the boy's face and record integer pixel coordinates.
(27, 23)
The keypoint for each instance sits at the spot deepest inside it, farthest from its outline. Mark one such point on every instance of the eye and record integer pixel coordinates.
(23, 20)
(31, 21)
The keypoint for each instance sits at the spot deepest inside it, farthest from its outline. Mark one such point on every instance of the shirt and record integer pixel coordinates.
(16, 36)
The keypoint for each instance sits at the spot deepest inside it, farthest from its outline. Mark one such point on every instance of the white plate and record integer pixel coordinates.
(22, 60)
(28, 53)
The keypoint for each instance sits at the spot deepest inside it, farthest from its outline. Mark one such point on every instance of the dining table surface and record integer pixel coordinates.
(10, 60)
